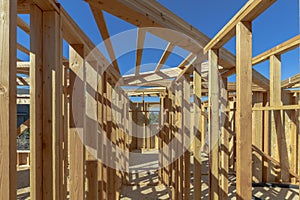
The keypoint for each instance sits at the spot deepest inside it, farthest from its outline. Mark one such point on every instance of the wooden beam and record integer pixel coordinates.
(186, 60)
(23, 49)
(52, 106)
(77, 149)
(165, 56)
(275, 162)
(101, 23)
(8, 119)
(290, 82)
(144, 13)
(197, 133)
(251, 10)
(224, 148)
(36, 97)
(244, 110)
(23, 25)
(141, 35)
(278, 50)
(47, 5)
(284, 107)
(214, 127)
(186, 132)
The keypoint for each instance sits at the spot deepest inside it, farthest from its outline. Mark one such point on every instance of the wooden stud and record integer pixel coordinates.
(257, 137)
(244, 110)
(224, 153)
(77, 149)
(36, 100)
(52, 106)
(186, 133)
(90, 130)
(8, 119)
(214, 124)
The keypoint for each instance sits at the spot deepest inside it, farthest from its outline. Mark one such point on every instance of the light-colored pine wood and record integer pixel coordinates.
(244, 110)
(164, 56)
(186, 132)
(224, 154)
(290, 82)
(251, 10)
(52, 105)
(101, 23)
(277, 108)
(8, 122)
(141, 35)
(132, 12)
(278, 50)
(197, 134)
(77, 149)
(257, 136)
(36, 99)
(90, 130)
(214, 125)
(266, 136)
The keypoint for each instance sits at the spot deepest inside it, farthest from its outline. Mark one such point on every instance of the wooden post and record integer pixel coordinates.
(8, 122)
(257, 136)
(100, 142)
(244, 110)
(197, 134)
(52, 106)
(278, 142)
(36, 101)
(186, 132)
(224, 153)
(111, 133)
(90, 130)
(214, 124)
(77, 149)
(266, 140)
(104, 144)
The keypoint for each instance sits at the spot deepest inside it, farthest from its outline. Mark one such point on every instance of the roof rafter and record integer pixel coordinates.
(101, 23)
(164, 56)
(141, 35)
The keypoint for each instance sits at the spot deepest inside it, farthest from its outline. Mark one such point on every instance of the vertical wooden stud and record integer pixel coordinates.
(8, 122)
(244, 110)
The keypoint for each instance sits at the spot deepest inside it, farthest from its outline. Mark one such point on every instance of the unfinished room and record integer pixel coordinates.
(149, 99)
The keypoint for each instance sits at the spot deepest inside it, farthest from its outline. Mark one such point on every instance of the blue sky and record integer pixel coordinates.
(278, 24)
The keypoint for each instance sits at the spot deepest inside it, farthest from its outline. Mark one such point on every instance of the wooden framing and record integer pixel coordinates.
(77, 149)
(8, 121)
(164, 57)
(141, 35)
(197, 134)
(244, 110)
(249, 12)
(36, 112)
(256, 134)
(214, 125)
(99, 17)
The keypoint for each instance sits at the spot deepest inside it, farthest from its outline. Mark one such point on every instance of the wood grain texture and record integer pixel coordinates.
(8, 122)
(244, 110)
